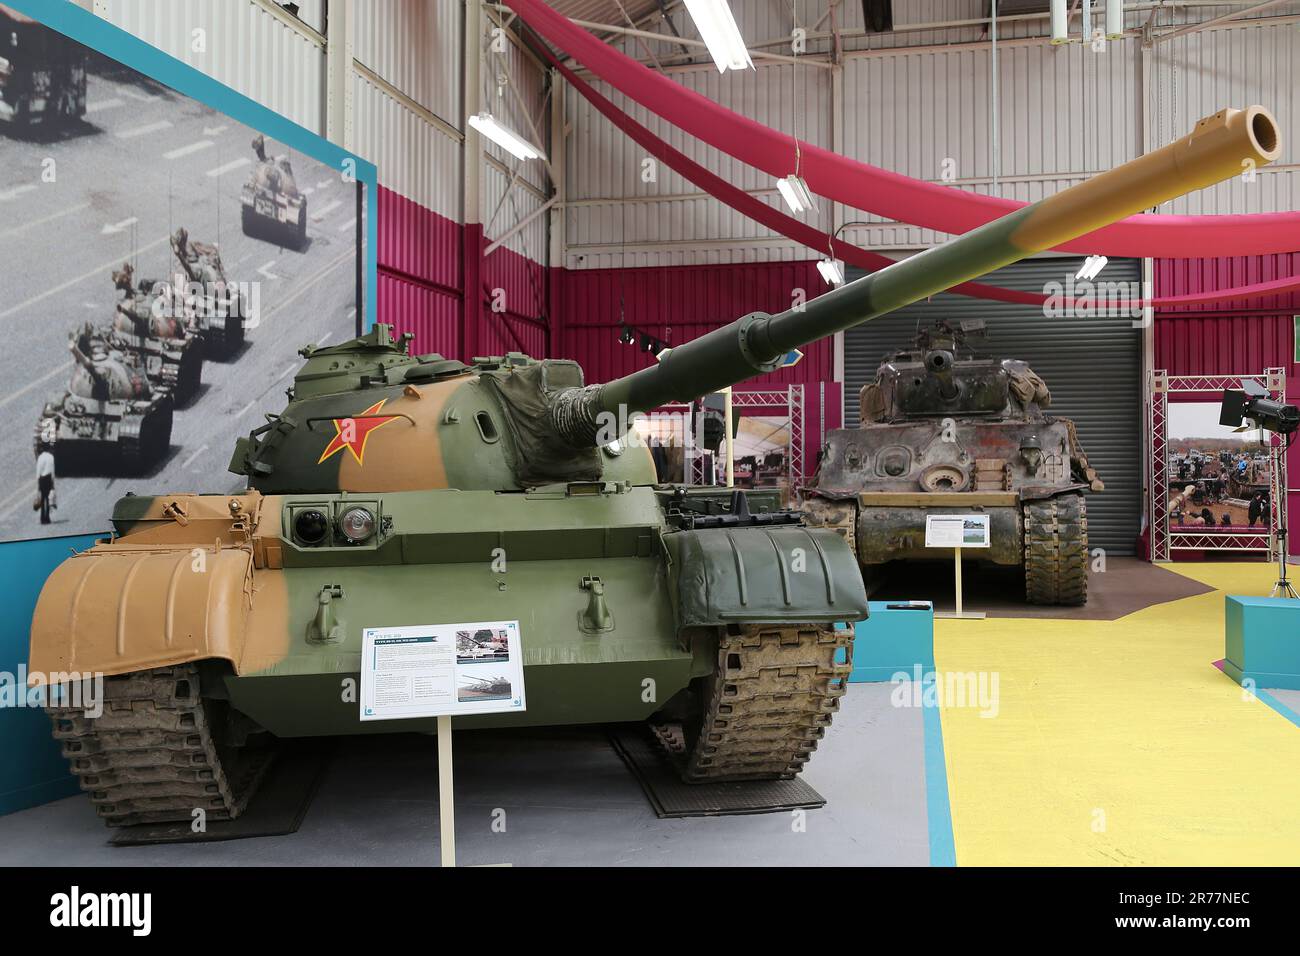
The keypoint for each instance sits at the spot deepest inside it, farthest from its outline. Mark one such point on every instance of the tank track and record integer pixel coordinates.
(152, 756)
(1056, 551)
(767, 704)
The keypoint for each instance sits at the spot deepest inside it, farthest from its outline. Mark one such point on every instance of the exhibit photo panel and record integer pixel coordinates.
(163, 263)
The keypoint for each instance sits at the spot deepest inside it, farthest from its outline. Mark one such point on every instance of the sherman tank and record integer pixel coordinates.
(217, 312)
(398, 489)
(271, 203)
(151, 327)
(947, 431)
(110, 419)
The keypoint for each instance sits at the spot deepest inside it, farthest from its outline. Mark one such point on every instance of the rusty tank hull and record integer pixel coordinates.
(944, 431)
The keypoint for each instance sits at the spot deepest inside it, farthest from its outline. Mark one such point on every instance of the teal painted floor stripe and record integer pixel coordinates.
(1277, 705)
(937, 810)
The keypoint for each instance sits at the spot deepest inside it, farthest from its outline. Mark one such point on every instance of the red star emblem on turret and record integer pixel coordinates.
(353, 433)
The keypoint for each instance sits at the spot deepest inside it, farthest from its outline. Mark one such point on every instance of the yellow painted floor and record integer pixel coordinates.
(1118, 743)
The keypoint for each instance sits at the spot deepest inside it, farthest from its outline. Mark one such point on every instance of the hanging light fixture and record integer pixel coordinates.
(504, 136)
(627, 337)
(1091, 267)
(831, 271)
(795, 193)
(717, 26)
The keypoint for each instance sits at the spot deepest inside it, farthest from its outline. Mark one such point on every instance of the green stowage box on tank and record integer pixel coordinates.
(945, 431)
(383, 491)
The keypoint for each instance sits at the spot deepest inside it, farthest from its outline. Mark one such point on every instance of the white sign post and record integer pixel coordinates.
(957, 532)
(442, 670)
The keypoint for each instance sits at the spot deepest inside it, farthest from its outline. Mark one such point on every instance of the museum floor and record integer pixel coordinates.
(1115, 742)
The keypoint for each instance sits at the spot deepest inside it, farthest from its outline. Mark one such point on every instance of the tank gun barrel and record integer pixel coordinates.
(1219, 147)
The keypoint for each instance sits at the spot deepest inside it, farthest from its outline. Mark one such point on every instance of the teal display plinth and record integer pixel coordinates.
(893, 640)
(1262, 641)
(32, 770)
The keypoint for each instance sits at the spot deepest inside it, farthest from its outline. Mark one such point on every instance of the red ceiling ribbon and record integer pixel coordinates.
(800, 232)
(875, 190)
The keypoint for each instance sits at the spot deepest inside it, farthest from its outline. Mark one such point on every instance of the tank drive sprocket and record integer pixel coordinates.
(159, 751)
(1056, 550)
(767, 704)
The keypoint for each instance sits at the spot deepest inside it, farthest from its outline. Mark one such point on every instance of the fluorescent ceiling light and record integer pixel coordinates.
(504, 136)
(717, 26)
(1092, 266)
(831, 271)
(795, 193)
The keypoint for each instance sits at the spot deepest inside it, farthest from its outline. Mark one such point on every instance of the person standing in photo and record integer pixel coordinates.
(45, 481)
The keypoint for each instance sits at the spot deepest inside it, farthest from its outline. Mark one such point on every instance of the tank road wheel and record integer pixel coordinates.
(768, 702)
(1056, 551)
(159, 751)
(232, 340)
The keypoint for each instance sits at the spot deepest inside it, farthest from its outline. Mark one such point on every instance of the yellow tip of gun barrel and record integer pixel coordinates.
(1227, 144)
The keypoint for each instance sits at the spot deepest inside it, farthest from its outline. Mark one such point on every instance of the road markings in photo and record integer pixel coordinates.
(101, 105)
(63, 369)
(113, 228)
(265, 270)
(348, 225)
(308, 191)
(325, 210)
(323, 183)
(145, 130)
(229, 167)
(140, 97)
(15, 192)
(190, 460)
(188, 150)
(214, 130)
(99, 270)
(40, 222)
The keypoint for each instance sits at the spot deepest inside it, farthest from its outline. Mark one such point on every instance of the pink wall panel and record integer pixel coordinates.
(431, 313)
(1186, 276)
(417, 242)
(521, 280)
(677, 304)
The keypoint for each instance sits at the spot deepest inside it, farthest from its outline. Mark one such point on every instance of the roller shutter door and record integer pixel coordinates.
(1093, 367)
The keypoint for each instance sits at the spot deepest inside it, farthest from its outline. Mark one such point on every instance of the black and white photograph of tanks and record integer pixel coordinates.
(161, 266)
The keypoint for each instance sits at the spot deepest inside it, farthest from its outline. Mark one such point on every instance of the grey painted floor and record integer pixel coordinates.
(568, 801)
(1291, 698)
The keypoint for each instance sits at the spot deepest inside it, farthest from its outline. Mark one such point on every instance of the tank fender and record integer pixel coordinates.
(786, 573)
(119, 608)
(1051, 491)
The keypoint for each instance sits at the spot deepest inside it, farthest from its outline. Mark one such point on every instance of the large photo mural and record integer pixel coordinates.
(161, 266)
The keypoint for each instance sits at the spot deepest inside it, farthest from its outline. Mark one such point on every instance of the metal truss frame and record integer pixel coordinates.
(1164, 540)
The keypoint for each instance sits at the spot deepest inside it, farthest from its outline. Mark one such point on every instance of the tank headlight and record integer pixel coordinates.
(310, 526)
(614, 448)
(357, 524)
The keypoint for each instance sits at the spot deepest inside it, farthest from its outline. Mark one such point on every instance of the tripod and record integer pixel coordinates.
(1282, 588)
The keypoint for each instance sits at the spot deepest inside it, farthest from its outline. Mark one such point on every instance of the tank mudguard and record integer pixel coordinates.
(785, 573)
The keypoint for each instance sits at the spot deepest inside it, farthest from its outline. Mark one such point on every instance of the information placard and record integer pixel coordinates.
(957, 531)
(441, 670)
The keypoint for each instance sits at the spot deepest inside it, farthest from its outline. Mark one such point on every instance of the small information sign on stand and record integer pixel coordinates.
(957, 531)
(442, 670)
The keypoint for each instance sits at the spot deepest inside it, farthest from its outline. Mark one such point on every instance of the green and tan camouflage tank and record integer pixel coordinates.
(383, 493)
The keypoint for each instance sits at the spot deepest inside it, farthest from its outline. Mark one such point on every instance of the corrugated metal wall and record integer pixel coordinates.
(1092, 366)
(246, 47)
(1064, 113)
(675, 306)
